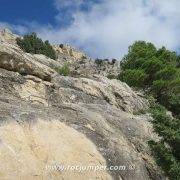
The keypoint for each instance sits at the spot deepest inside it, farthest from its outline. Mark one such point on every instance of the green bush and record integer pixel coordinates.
(111, 76)
(164, 158)
(174, 103)
(64, 70)
(167, 151)
(157, 72)
(99, 62)
(30, 43)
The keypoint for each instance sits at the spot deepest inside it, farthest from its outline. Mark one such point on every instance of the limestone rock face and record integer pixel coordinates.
(48, 120)
(14, 59)
(69, 50)
(114, 92)
(82, 65)
(34, 152)
(7, 36)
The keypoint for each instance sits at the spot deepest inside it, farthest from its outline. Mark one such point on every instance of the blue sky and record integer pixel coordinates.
(43, 12)
(101, 28)
(16, 11)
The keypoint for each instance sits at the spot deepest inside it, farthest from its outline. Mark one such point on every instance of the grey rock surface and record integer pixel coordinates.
(100, 109)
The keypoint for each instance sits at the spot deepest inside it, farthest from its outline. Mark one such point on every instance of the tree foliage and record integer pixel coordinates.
(30, 43)
(157, 71)
(134, 77)
(167, 151)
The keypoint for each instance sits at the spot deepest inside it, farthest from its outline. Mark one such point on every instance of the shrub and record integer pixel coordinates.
(32, 44)
(174, 103)
(99, 62)
(167, 151)
(111, 76)
(165, 159)
(114, 61)
(64, 70)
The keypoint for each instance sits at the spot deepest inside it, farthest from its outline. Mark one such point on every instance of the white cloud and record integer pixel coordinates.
(109, 27)
(21, 29)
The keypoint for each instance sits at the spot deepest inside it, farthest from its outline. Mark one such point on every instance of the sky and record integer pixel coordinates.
(101, 28)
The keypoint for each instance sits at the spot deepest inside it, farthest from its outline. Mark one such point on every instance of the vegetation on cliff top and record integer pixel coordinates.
(157, 72)
(30, 43)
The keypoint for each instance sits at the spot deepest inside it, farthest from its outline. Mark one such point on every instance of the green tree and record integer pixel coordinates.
(137, 54)
(157, 71)
(30, 43)
(154, 70)
(133, 77)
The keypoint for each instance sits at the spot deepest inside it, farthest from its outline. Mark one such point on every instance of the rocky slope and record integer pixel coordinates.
(49, 119)
(82, 65)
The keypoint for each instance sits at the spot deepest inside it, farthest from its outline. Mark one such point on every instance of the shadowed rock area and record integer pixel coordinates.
(85, 119)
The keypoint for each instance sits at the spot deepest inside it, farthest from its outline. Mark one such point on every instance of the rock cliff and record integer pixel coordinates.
(82, 65)
(48, 120)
